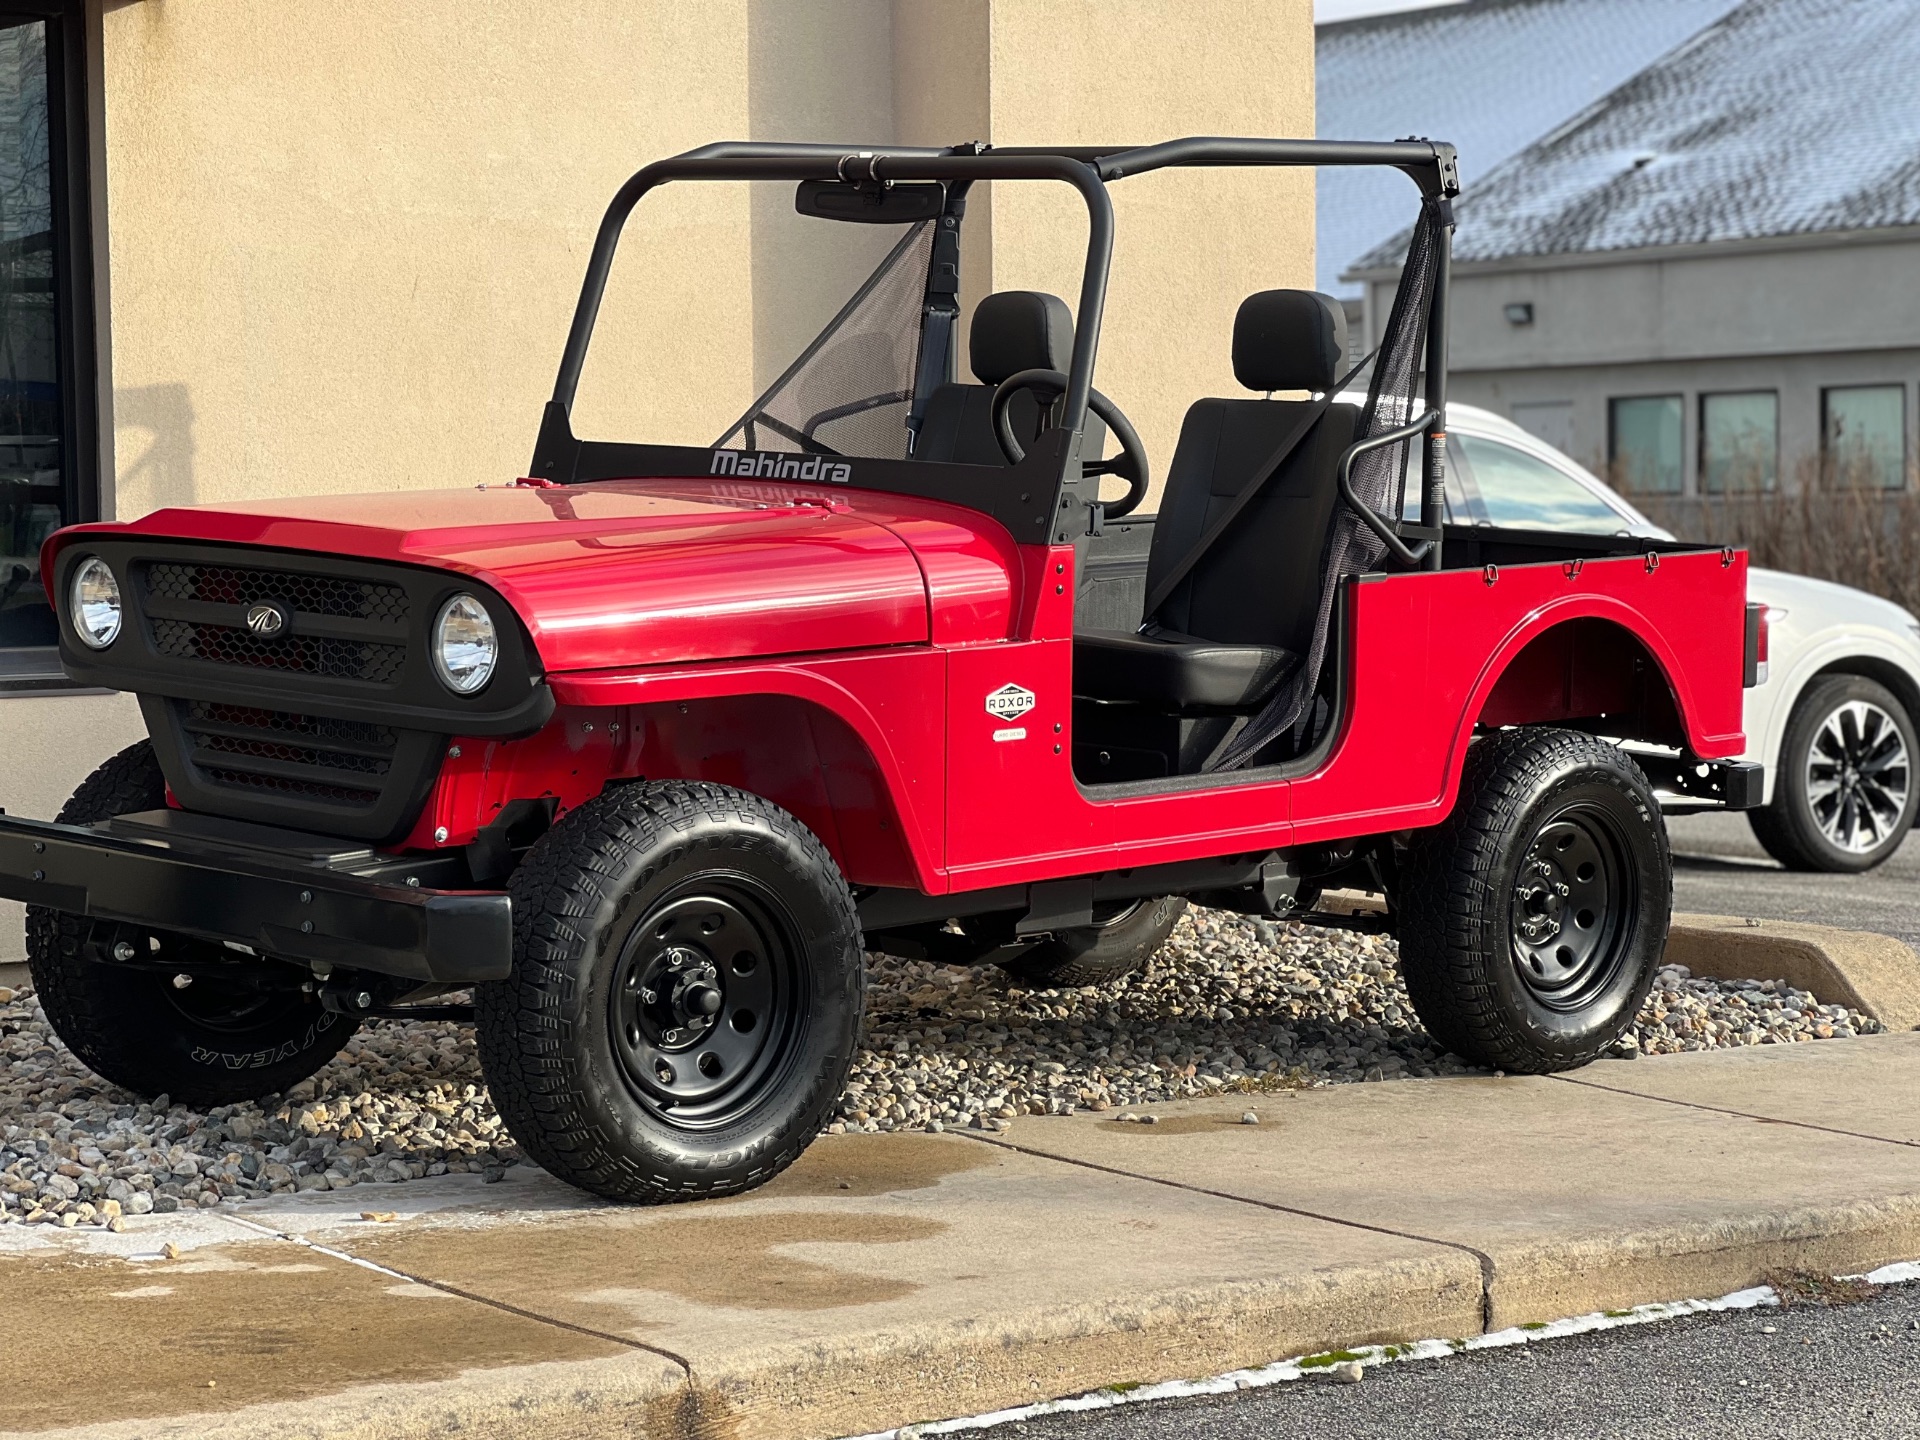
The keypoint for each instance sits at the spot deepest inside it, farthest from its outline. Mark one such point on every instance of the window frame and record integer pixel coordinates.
(1701, 468)
(1828, 480)
(1679, 397)
(32, 670)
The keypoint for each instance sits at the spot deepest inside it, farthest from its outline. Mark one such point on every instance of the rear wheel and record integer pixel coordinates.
(1843, 791)
(1533, 918)
(1118, 943)
(186, 1018)
(685, 998)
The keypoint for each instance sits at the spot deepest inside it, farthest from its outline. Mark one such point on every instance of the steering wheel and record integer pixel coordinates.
(1048, 385)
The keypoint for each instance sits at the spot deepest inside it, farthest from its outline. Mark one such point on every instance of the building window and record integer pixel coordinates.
(1645, 445)
(1739, 441)
(1864, 436)
(48, 470)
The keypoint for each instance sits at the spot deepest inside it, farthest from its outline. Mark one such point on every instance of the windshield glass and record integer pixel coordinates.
(851, 391)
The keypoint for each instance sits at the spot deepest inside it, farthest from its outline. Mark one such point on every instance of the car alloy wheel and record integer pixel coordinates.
(1858, 774)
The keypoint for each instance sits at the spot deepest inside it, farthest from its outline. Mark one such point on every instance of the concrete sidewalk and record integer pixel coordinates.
(888, 1279)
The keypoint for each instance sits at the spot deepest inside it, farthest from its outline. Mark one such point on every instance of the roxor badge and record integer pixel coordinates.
(1009, 702)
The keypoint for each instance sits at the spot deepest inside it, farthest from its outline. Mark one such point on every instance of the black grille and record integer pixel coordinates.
(335, 723)
(335, 762)
(339, 795)
(320, 655)
(312, 594)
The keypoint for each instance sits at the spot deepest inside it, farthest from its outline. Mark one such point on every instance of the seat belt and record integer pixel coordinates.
(1184, 565)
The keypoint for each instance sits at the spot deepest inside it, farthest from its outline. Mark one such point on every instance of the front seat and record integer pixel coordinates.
(1012, 330)
(1243, 618)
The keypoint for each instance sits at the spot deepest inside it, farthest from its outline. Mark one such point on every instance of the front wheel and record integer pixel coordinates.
(685, 997)
(190, 1019)
(1534, 917)
(1843, 790)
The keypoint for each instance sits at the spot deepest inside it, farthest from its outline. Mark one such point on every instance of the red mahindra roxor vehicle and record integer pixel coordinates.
(644, 748)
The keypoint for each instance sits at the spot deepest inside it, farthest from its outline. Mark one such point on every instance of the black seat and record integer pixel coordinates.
(1012, 330)
(1243, 618)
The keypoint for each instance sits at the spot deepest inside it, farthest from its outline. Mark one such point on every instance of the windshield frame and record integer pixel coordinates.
(1048, 485)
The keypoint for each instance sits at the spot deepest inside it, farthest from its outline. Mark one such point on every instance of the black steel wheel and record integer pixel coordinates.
(1532, 920)
(707, 993)
(688, 980)
(1844, 790)
(1568, 915)
(184, 1017)
(1121, 939)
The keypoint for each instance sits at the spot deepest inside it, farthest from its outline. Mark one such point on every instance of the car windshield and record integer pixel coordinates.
(1518, 491)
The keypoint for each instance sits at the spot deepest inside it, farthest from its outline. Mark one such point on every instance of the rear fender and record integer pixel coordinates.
(1588, 657)
(1590, 669)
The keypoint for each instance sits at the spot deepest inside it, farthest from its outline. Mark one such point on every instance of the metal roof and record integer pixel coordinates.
(1489, 76)
(1784, 117)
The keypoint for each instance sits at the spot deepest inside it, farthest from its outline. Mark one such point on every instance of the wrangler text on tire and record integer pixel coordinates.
(686, 994)
(190, 1019)
(1533, 917)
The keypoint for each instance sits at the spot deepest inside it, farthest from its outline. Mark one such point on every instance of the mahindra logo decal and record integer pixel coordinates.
(266, 620)
(1009, 702)
(761, 466)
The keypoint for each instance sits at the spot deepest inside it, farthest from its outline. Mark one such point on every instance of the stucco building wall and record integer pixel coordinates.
(341, 244)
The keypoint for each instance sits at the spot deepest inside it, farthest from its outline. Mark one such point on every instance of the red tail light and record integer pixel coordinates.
(1760, 622)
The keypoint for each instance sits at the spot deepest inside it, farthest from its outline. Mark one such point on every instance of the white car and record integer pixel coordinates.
(1831, 721)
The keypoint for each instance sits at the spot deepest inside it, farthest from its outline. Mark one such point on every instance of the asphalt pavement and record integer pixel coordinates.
(1720, 869)
(1850, 1370)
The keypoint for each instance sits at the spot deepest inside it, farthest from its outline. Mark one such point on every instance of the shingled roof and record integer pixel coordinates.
(1785, 117)
(1491, 76)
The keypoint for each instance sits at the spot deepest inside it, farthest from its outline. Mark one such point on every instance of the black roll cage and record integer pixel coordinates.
(1048, 484)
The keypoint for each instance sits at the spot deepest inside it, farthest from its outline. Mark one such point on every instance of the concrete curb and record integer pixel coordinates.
(954, 1367)
(1714, 1256)
(1872, 973)
(1861, 969)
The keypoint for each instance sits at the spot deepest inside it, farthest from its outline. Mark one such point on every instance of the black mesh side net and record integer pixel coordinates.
(1394, 397)
(850, 391)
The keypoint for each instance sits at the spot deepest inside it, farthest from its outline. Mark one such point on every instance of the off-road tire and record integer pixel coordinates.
(1786, 826)
(1100, 954)
(584, 903)
(1461, 951)
(129, 1026)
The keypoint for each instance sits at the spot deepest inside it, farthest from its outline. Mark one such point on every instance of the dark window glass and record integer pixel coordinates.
(33, 495)
(1516, 491)
(1739, 441)
(1645, 445)
(1865, 436)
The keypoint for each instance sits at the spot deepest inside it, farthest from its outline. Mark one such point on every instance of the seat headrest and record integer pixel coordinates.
(1289, 340)
(1015, 330)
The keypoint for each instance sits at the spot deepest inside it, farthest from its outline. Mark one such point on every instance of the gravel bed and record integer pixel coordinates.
(1230, 1004)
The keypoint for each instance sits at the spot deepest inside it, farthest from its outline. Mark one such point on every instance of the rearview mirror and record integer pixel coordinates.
(867, 203)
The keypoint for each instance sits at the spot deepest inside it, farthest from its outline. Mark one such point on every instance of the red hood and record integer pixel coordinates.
(624, 573)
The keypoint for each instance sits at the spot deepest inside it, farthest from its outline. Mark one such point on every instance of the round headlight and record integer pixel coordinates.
(465, 645)
(95, 597)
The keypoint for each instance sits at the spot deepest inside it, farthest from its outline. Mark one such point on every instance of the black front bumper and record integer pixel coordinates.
(301, 897)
